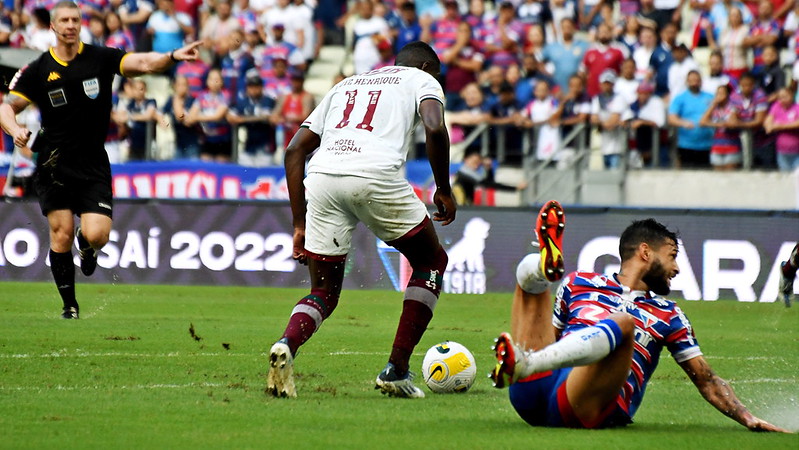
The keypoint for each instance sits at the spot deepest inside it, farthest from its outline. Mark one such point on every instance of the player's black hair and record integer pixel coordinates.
(648, 231)
(416, 54)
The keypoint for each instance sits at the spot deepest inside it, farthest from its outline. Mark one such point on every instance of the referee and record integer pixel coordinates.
(71, 85)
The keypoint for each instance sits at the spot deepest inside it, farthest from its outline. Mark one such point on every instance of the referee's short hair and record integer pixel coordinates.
(63, 4)
(416, 54)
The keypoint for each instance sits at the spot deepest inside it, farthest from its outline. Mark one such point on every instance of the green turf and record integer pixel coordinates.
(130, 375)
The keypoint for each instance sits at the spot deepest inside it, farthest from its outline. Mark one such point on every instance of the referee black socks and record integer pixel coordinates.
(63, 268)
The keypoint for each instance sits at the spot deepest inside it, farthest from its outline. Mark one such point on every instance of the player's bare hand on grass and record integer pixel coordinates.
(446, 207)
(299, 246)
(761, 425)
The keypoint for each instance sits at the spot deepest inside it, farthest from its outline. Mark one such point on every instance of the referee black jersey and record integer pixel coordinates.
(74, 99)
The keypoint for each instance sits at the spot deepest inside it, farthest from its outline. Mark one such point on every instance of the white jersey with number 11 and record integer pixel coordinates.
(366, 122)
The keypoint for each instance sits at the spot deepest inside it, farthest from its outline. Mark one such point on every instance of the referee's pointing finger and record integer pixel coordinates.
(189, 52)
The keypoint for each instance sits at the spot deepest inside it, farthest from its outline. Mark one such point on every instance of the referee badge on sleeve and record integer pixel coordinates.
(91, 88)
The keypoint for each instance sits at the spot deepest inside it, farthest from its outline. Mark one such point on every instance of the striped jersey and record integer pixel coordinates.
(444, 33)
(726, 140)
(121, 39)
(762, 28)
(366, 122)
(585, 298)
(195, 73)
(210, 102)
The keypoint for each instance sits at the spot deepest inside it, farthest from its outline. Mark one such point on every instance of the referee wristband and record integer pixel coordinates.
(172, 56)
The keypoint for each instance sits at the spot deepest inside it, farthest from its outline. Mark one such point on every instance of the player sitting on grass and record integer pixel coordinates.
(589, 366)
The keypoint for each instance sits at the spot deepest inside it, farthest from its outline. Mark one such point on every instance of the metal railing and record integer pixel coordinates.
(533, 168)
(149, 136)
(151, 151)
(578, 164)
(499, 150)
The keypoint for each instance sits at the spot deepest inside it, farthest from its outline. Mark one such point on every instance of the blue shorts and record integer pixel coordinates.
(541, 400)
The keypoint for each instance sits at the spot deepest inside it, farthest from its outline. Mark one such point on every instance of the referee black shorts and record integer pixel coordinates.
(80, 196)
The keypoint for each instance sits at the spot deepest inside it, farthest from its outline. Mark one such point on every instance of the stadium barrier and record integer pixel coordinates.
(663, 146)
(493, 143)
(723, 254)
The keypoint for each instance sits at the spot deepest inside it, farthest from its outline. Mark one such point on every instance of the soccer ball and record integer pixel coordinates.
(449, 367)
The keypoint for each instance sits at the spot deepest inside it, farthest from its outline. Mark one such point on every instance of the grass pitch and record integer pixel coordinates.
(131, 374)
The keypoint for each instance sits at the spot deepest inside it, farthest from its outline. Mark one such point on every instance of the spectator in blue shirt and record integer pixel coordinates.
(177, 107)
(407, 28)
(531, 75)
(661, 59)
(134, 14)
(234, 63)
(252, 110)
(685, 112)
(565, 56)
(471, 112)
(142, 113)
(719, 14)
(330, 16)
(168, 27)
(504, 114)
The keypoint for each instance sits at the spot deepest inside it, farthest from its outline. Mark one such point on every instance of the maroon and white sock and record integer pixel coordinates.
(421, 297)
(307, 316)
(413, 323)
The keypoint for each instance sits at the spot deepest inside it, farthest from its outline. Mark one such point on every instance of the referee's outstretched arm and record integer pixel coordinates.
(135, 64)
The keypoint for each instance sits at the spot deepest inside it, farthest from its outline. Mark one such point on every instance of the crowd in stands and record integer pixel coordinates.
(629, 71)
(626, 69)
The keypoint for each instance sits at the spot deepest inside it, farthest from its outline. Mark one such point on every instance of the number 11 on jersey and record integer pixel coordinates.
(365, 124)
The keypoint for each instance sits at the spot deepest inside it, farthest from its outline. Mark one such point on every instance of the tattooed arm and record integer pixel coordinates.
(720, 394)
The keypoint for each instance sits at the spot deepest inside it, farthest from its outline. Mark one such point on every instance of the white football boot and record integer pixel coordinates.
(280, 380)
(389, 383)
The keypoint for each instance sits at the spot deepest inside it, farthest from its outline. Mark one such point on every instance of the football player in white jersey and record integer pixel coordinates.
(361, 133)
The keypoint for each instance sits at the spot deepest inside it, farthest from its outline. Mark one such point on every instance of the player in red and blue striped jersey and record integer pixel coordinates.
(589, 367)
(585, 298)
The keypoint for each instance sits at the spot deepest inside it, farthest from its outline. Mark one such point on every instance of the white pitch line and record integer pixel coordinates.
(764, 380)
(111, 354)
(218, 385)
(67, 354)
(746, 358)
(99, 388)
(82, 354)
(346, 353)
